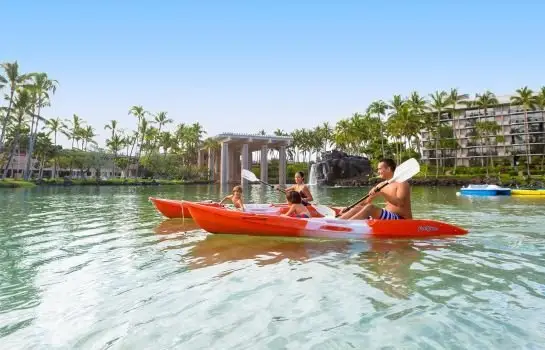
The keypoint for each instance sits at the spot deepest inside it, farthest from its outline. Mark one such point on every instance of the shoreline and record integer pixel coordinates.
(93, 182)
(450, 181)
(443, 181)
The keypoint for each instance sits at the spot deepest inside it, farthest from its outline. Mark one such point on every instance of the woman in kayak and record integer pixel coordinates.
(301, 188)
(297, 209)
(236, 198)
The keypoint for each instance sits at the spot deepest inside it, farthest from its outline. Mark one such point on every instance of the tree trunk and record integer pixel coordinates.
(32, 141)
(527, 143)
(129, 159)
(5, 122)
(41, 173)
(11, 154)
(437, 145)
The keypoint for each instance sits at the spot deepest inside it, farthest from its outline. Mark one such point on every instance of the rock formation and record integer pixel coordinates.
(336, 166)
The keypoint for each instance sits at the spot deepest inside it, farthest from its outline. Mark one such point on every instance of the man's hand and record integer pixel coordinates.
(380, 185)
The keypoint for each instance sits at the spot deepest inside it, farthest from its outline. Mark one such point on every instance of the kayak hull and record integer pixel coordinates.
(538, 192)
(172, 208)
(221, 221)
(485, 190)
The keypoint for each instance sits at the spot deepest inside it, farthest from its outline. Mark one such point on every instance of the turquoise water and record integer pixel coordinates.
(98, 268)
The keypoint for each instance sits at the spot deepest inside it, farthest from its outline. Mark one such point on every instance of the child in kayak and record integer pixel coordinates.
(236, 198)
(297, 209)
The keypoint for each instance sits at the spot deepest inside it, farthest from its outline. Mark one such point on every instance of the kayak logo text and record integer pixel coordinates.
(427, 228)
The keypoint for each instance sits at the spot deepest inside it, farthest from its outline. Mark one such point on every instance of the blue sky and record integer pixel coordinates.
(250, 65)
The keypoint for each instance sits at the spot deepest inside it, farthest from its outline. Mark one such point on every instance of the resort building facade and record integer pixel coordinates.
(507, 144)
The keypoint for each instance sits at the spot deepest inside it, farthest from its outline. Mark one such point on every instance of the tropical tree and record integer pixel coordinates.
(15, 80)
(527, 100)
(141, 127)
(112, 126)
(455, 98)
(54, 126)
(439, 102)
(40, 88)
(419, 108)
(379, 108)
(540, 103)
(22, 107)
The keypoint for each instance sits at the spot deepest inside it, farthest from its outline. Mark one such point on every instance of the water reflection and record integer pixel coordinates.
(219, 249)
(385, 264)
(175, 226)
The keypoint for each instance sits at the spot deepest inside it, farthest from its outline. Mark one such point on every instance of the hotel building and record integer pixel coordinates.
(470, 152)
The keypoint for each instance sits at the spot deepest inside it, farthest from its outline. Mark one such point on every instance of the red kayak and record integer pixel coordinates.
(172, 208)
(222, 221)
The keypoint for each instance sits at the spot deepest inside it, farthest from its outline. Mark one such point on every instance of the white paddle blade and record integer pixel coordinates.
(248, 175)
(406, 170)
(324, 210)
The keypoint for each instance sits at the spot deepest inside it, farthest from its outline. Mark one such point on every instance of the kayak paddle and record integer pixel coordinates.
(322, 209)
(248, 175)
(403, 172)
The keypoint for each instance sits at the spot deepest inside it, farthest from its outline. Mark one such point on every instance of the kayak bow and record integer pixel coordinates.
(221, 221)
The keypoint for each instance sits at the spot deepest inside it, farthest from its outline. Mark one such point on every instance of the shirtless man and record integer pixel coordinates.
(396, 194)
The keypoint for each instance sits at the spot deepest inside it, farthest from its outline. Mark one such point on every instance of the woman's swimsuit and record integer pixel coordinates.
(300, 216)
(303, 197)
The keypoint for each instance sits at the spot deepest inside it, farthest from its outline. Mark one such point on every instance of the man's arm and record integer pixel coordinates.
(401, 193)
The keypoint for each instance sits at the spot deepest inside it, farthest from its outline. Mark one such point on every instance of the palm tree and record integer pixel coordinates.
(161, 119)
(15, 80)
(140, 113)
(379, 108)
(455, 98)
(484, 131)
(112, 126)
(87, 135)
(484, 101)
(115, 144)
(439, 101)
(54, 126)
(40, 87)
(527, 100)
(22, 106)
(419, 107)
(541, 104)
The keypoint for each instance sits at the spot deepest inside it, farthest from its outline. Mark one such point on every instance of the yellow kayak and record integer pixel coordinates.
(540, 192)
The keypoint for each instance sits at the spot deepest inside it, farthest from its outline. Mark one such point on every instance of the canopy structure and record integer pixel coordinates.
(235, 153)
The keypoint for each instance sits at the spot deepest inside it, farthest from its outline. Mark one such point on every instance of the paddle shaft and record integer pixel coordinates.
(271, 186)
(363, 198)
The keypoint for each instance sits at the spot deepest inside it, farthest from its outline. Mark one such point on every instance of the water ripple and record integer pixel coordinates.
(102, 266)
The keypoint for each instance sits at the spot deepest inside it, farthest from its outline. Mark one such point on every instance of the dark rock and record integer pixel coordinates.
(336, 167)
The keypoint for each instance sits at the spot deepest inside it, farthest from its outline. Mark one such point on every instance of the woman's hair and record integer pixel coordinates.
(300, 173)
(293, 197)
(237, 189)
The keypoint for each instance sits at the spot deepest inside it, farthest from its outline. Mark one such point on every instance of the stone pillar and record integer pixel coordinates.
(264, 164)
(199, 158)
(211, 167)
(232, 165)
(282, 166)
(224, 177)
(217, 163)
(245, 158)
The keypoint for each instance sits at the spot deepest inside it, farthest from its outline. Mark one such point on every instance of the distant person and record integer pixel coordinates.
(396, 194)
(236, 198)
(297, 209)
(300, 187)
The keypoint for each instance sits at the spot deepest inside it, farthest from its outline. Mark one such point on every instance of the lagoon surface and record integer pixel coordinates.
(99, 268)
